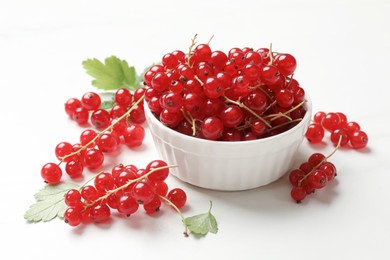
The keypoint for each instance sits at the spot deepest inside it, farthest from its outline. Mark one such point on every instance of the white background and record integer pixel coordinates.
(343, 54)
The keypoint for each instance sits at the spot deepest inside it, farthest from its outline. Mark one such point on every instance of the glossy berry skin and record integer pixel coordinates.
(72, 216)
(91, 101)
(86, 136)
(286, 63)
(51, 173)
(72, 198)
(284, 98)
(93, 158)
(358, 139)
(178, 197)
(123, 97)
(269, 74)
(160, 175)
(330, 121)
(89, 193)
(62, 149)
(81, 115)
(232, 116)
(107, 143)
(74, 168)
(71, 105)
(153, 206)
(143, 192)
(317, 179)
(126, 204)
(339, 135)
(100, 118)
(298, 193)
(315, 133)
(213, 87)
(316, 159)
(329, 169)
(100, 213)
(104, 182)
(134, 135)
(212, 128)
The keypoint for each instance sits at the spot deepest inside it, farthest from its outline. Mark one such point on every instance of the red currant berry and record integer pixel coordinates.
(329, 169)
(107, 143)
(123, 97)
(87, 136)
(153, 206)
(212, 128)
(100, 118)
(93, 158)
(331, 121)
(318, 179)
(143, 192)
(104, 182)
(81, 115)
(100, 213)
(318, 117)
(160, 175)
(177, 196)
(316, 159)
(298, 193)
(62, 149)
(89, 193)
(134, 135)
(126, 204)
(284, 98)
(232, 116)
(72, 216)
(315, 133)
(91, 101)
(213, 87)
(161, 188)
(358, 139)
(71, 105)
(72, 198)
(51, 173)
(74, 168)
(339, 135)
(296, 176)
(286, 63)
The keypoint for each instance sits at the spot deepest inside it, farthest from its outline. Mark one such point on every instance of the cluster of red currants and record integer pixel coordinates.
(120, 125)
(339, 127)
(241, 95)
(124, 189)
(313, 174)
(88, 108)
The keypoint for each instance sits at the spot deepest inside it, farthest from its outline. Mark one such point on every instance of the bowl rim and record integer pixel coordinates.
(152, 117)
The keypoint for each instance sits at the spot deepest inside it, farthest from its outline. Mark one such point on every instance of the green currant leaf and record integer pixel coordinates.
(108, 100)
(203, 223)
(112, 74)
(50, 203)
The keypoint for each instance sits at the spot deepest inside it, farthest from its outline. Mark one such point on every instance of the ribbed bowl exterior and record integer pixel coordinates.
(227, 166)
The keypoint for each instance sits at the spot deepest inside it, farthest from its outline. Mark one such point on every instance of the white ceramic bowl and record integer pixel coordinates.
(227, 166)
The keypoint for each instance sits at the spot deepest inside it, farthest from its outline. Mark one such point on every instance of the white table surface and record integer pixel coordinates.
(343, 54)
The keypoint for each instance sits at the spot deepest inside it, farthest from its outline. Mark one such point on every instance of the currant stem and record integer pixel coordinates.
(212, 36)
(271, 59)
(178, 211)
(240, 104)
(193, 42)
(105, 130)
(274, 117)
(109, 192)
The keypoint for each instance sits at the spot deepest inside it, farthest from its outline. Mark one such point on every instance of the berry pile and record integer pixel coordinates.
(236, 96)
(313, 174)
(120, 125)
(338, 126)
(123, 189)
